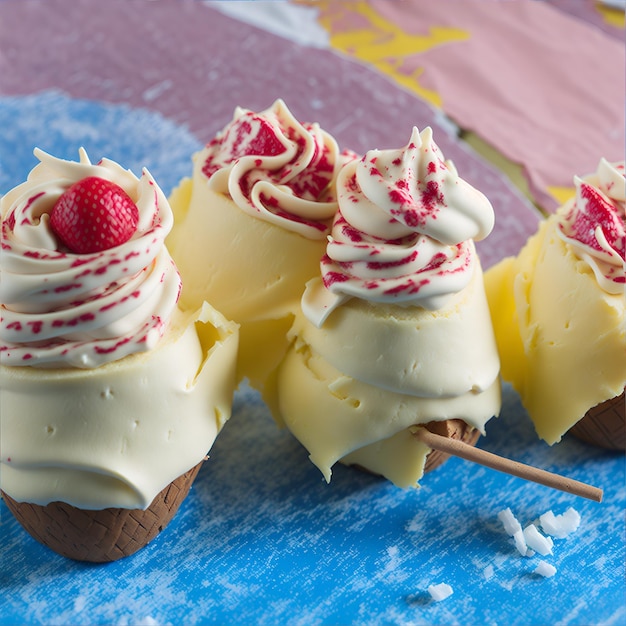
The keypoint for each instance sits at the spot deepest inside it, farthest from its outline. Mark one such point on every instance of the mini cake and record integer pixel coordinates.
(396, 331)
(111, 395)
(252, 225)
(559, 314)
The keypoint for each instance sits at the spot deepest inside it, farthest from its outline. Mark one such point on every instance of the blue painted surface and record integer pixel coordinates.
(58, 124)
(262, 539)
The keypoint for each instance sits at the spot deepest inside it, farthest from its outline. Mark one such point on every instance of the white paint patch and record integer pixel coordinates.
(295, 23)
(154, 92)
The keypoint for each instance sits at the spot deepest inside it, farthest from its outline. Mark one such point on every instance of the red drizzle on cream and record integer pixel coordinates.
(276, 169)
(593, 224)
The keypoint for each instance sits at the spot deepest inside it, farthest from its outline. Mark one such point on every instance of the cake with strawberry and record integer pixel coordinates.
(394, 332)
(112, 396)
(254, 219)
(559, 315)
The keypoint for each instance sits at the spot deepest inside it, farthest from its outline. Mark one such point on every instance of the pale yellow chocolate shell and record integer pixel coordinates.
(561, 339)
(116, 435)
(337, 417)
(260, 290)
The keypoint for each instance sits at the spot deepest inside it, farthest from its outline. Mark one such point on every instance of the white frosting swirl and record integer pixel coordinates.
(593, 224)
(276, 169)
(82, 310)
(403, 231)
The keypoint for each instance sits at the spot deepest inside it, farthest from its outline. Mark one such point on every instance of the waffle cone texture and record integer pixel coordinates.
(453, 429)
(103, 535)
(604, 425)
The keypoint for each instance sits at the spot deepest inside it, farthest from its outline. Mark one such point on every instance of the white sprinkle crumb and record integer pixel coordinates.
(560, 526)
(488, 572)
(513, 528)
(440, 592)
(520, 543)
(545, 569)
(509, 521)
(536, 541)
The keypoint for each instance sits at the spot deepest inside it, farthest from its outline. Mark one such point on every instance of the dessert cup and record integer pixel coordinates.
(604, 425)
(396, 330)
(559, 314)
(111, 396)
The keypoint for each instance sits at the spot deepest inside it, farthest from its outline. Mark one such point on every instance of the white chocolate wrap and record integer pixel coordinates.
(593, 224)
(397, 331)
(276, 169)
(374, 370)
(403, 230)
(116, 435)
(82, 310)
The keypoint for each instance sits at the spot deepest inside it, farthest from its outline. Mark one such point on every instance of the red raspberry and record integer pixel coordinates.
(94, 214)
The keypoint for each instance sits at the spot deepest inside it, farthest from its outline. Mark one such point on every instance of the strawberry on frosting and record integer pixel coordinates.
(94, 214)
(85, 276)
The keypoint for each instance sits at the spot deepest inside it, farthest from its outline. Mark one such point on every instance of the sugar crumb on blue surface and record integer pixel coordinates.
(440, 591)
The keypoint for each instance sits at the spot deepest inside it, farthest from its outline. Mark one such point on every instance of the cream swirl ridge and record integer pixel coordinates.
(65, 309)
(593, 224)
(276, 169)
(403, 232)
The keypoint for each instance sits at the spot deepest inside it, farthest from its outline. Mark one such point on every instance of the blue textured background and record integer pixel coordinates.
(262, 539)
(58, 124)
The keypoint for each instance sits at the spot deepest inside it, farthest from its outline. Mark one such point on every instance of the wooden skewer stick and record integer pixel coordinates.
(501, 464)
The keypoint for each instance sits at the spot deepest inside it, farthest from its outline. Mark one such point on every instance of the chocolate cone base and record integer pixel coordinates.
(604, 425)
(103, 535)
(453, 429)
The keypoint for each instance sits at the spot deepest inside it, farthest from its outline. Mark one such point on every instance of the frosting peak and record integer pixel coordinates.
(276, 169)
(416, 191)
(403, 232)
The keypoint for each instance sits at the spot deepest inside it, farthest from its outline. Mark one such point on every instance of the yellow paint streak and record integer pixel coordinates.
(614, 17)
(513, 171)
(383, 44)
(561, 194)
